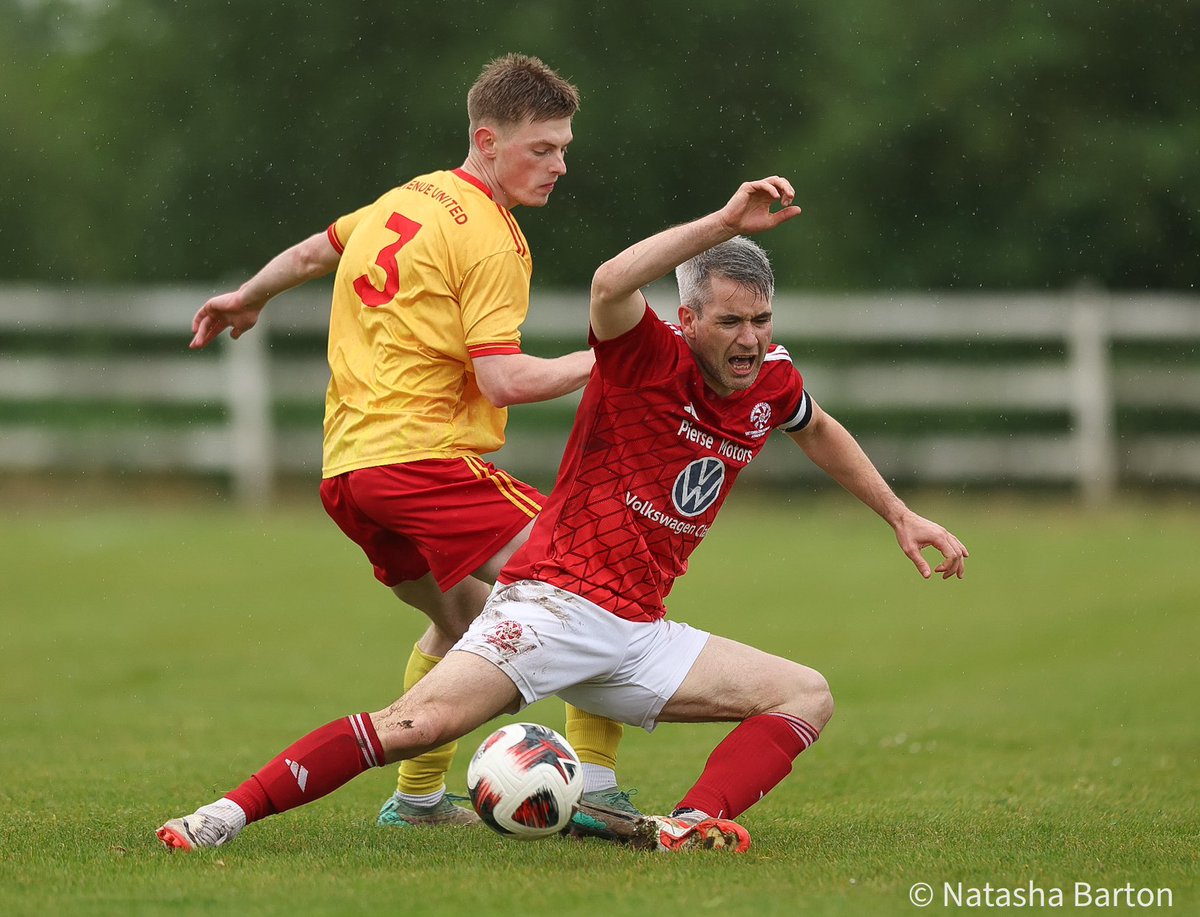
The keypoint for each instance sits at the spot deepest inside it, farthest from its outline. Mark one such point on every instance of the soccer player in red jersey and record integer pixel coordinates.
(669, 418)
(432, 286)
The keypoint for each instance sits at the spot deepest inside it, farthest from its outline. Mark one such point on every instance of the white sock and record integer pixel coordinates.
(224, 819)
(225, 811)
(597, 777)
(427, 801)
(690, 816)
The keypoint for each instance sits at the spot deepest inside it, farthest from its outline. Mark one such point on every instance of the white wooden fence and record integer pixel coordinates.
(93, 349)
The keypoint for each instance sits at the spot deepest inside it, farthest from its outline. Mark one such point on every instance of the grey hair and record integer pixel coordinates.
(740, 260)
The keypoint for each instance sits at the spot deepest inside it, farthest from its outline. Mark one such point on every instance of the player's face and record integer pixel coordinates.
(530, 158)
(729, 337)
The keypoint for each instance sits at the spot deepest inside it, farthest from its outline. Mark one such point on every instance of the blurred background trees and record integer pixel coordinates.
(1000, 144)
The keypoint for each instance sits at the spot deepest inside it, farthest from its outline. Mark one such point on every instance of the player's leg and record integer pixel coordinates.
(450, 612)
(782, 707)
(420, 798)
(433, 529)
(594, 738)
(462, 693)
(673, 672)
(385, 512)
(465, 692)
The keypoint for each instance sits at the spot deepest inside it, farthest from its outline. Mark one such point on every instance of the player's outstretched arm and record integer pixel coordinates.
(838, 454)
(617, 304)
(239, 310)
(519, 378)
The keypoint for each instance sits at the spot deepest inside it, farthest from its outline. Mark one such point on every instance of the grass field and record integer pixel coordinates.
(1034, 723)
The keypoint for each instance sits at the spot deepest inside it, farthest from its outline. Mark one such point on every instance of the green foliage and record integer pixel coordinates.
(1002, 144)
(1031, 723)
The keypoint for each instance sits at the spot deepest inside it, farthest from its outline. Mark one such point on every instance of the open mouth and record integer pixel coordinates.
(742, 365)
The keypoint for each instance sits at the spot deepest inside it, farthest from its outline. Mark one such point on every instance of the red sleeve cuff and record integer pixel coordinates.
(493, 349)
(331, 232)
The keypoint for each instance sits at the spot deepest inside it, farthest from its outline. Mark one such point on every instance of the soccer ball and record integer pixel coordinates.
(525, 781)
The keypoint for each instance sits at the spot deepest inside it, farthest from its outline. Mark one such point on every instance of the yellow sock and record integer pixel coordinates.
(425, 773)
(594, 738)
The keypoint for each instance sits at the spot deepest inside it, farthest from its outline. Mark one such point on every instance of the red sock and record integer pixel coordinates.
(748, 763)
(308, 769)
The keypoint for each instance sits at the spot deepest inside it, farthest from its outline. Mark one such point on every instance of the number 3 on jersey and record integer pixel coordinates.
(386, 259)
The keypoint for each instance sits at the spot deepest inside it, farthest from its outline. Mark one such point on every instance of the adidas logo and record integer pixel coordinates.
(299, 771)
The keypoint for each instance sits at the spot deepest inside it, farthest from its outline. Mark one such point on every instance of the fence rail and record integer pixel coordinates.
(85, 376)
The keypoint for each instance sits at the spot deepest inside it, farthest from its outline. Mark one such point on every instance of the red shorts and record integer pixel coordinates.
(448, 516)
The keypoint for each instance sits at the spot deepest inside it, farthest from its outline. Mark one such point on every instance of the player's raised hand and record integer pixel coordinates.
(229, 310)
(308, 259)
(749, 210)
(915, 532)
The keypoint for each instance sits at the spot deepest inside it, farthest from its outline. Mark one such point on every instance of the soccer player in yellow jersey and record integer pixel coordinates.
(432, 286)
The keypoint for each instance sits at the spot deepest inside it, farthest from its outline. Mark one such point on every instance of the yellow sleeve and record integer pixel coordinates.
(342, 228)
(494, 300)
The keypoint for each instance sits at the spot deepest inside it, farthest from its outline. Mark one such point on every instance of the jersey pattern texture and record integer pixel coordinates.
(432, 274)
(651, 458)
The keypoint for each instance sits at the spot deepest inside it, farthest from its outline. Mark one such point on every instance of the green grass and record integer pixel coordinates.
(1035, 722)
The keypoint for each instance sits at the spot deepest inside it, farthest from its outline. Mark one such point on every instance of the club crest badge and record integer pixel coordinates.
(760, 420)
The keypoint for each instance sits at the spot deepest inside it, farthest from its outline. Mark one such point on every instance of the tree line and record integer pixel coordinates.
(1000, 144)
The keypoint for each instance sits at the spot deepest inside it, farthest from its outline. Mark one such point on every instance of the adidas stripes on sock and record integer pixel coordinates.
(316, 765)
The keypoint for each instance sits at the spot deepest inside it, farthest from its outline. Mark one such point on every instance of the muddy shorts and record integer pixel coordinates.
(550, 641)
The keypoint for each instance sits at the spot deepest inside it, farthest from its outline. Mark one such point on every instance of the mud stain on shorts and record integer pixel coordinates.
(555, 601)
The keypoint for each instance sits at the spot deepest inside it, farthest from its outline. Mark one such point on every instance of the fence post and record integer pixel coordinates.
(251, 430)
(1091, 371)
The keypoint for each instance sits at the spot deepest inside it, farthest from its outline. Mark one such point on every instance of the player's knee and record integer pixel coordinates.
(810, 697)
(405, 732)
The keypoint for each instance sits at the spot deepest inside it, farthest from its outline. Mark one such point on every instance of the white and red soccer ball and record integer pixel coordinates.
(525, 781)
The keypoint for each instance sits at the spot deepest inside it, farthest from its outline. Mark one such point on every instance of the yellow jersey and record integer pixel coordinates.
(432, 274)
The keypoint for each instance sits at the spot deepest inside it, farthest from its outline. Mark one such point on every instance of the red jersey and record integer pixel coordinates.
(651, 457)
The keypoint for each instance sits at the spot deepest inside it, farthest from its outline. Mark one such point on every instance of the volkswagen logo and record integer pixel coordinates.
(698, 486)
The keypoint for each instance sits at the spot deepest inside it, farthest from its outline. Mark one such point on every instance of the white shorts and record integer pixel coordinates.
(550, 641)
